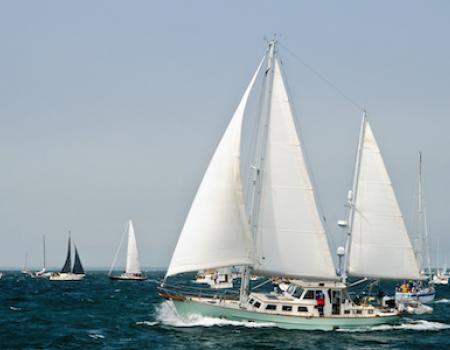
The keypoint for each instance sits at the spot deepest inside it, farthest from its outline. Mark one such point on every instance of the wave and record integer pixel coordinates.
(147, 323)
(96, 336)
(167, 315)
(442, 301)
(15, 308)
(420, 325)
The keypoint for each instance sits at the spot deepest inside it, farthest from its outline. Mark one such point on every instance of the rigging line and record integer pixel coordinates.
(322, 77)
(118, 251)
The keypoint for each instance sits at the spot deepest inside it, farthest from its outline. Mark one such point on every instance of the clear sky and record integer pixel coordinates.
(112, 109)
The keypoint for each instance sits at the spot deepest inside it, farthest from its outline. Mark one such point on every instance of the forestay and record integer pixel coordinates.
(216, 232)
(291, 239)
(133, 265)
(380, 246)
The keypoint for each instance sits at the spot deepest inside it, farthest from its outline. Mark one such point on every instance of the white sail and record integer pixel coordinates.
(216, 232)
(291, 239)
(380, 246)
(133, 265)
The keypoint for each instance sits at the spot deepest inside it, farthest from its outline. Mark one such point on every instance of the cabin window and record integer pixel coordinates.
(370, 312)
(287, 308)
(358, 312)
(302, 309)
(310, 295)
(271, 307)
(251, 301)
(298, 292)
(346, 312)
(257, 304)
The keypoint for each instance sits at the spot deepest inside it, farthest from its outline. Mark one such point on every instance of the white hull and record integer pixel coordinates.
(424, 296)
(66, 276)
(441, 280)
(128, 277)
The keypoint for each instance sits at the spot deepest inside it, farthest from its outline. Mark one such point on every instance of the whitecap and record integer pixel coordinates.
(96, 336)
(442, 301)
(15, 308)
(420, 325)
(167, 315)
(147, 323)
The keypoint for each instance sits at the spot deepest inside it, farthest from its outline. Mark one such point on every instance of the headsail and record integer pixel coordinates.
(77, 267)
(380, 246)
(290, 237)
(133, 265)
(216, 233)
(68, 264)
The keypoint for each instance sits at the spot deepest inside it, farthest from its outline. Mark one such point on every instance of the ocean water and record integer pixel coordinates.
(98, 313)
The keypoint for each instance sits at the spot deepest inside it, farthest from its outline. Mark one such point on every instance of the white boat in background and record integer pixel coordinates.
(217, 278)
(279, 231)
(69, 273)
(133, 270)
(440, 278)
(42, 273)
(422, 289)
(1, 275)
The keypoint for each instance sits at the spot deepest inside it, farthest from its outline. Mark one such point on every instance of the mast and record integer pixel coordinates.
(259, 154)
(351, 196)
(43, 242)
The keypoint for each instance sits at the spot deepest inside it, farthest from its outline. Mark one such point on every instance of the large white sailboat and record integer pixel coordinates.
(133, 268)
(279, 232)
(69, 273)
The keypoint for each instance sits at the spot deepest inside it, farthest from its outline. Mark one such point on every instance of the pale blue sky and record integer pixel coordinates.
(112, 109)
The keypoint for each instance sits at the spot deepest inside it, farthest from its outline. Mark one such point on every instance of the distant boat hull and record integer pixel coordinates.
(66, 276)
(128, 277)
(424, 296)
(186, 308)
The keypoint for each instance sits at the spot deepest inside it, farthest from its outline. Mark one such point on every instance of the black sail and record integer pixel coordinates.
(77, 267)
(68, 263)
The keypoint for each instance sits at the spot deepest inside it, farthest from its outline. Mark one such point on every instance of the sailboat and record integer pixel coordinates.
(419, 290)
(43, 272)
(69, 273)
(25, 270)
(278, 232)
(133, 268)
(440, 277)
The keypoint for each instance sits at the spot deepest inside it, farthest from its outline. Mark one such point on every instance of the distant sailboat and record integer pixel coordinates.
(25, 269)
(67, 272)
(43, 272)
(133, 268)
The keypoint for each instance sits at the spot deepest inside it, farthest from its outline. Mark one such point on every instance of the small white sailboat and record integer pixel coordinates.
(419, 290)
(43, 272)
(279, 232)
(69, 273)
(133, 270)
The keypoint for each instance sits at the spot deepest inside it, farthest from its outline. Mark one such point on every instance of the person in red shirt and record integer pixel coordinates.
(320, 302)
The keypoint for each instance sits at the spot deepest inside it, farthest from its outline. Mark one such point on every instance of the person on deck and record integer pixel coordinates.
(320, 302)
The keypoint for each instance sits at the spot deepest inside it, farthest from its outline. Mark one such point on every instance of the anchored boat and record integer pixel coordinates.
(133, 268)
(278, 231)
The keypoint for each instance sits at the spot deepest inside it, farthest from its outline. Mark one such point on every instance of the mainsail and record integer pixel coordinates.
(380, 246)
(291, 239)
(216, 232)
(133, 265)
(77, 267)
(68, 264)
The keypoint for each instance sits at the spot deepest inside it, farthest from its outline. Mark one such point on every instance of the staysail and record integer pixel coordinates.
(216, 232)
(290, 238)
(380, 246)
(68, 264)
(77, 267)
(133, 265)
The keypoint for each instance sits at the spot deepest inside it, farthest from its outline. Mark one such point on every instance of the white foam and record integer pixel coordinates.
(167, 315)
(442, 301)
(96, 336)
(15, 308)
(147, 323)
(420, 325)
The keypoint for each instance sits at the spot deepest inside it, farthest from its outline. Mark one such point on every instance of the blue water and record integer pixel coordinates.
(97, 313)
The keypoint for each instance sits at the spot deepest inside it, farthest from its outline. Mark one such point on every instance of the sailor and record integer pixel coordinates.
(320, 302)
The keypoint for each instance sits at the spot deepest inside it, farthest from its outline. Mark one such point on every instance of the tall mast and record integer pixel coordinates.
(259, 159)
(351, 197)
(43, 242)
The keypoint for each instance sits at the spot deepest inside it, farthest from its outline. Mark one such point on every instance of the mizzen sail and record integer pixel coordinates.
(380, 246)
